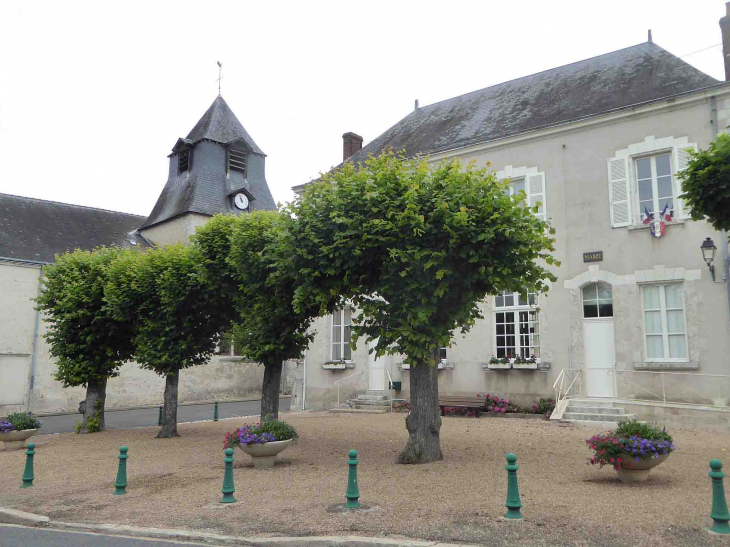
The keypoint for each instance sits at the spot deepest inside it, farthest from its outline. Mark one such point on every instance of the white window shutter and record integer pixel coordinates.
(619, 192)
(681, 160)
(536, 192)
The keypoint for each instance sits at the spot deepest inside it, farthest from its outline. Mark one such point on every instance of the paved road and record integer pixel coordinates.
(19, 536)
(125, 419)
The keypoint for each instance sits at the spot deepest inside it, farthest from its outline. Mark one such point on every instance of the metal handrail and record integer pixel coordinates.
(561, 395)
(337, 382)
(390, 388)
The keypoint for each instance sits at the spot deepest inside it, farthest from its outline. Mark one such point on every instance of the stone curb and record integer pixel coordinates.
(11, 516)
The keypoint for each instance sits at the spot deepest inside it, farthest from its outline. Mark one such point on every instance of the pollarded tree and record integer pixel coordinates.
(416, 249)
(89, 343)
(176, 314)
(245, 258)
(706, 183)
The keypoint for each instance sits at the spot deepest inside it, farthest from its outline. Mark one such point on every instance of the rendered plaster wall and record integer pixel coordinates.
(577, 199)
(177, 230)
(676, 417)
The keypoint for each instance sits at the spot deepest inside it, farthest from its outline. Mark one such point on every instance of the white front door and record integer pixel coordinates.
(377, 370)
(600, 357)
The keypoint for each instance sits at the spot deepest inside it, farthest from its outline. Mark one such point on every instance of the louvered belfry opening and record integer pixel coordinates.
(237, 160)
(183, 160)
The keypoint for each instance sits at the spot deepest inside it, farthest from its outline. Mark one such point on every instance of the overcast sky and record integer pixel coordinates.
(93, 95)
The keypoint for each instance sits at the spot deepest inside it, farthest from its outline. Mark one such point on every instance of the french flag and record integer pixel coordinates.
(647, 215)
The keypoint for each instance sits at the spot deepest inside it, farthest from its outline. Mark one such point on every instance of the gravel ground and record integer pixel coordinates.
(175, 483)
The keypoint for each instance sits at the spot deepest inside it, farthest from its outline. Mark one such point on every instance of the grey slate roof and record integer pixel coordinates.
(616, 80)
(205, 188)
(35, 229)
(220, 124)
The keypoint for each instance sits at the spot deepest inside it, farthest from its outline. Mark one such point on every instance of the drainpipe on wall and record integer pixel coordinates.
(31, 372)
(304, 383)
(724, 243)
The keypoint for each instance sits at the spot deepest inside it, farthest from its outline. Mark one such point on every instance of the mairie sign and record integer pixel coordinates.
(595, 256)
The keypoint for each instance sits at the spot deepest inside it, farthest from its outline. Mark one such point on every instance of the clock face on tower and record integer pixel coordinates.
(241, 201)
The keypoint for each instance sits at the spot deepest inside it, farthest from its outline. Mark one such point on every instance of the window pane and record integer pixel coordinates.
(677, 347)
(500, 341)
(645, 206)
(500, 352)
(348, 315)
(510, 328)
(590, 310)
(605, 308)
(523, 300)
(336, 351)
(651, 298)
(510, 317)
(643, 167)
(509, 299)
(664, 187)
(500, 318)
(604, 291)
(674, 296)
(653, 322)
(663, 165)
(668, 203)
(498, 301)
(675, 322)
(336, 335)
(589, 292)
(348, 351)
(337, 317)
(500, 329)
(348, 334)
(533, 299)
(645, 191)
(511, 343)
(442, 353)
(518, 185)
(654, 347)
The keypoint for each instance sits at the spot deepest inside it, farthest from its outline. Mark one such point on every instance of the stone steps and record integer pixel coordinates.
(355, 411)
(372, 407)
(595, 413)
(590, 417)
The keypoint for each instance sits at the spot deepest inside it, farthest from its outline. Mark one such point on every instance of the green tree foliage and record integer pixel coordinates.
(415, 249)
(247, 259)
(177, 316)
(706, 184)
(89, 343)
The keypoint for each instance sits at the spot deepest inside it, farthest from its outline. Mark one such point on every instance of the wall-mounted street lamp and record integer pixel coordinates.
(708, 253)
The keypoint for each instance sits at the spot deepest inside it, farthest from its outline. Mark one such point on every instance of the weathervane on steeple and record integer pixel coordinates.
(220, 67)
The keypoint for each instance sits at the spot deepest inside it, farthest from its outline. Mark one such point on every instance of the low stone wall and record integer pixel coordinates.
(679, 416)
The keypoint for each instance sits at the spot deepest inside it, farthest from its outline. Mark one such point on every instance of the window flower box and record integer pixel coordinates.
(337, 365)
(443, 365)
(526, 364)
(502, 363)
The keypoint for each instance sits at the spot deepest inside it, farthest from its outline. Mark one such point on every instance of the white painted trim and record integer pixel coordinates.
(658, 274)
(513, 172)
(652, 144)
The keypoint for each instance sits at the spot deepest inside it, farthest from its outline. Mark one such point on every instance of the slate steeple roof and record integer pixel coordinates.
(206, 187)
(616, 80)
(220, 124)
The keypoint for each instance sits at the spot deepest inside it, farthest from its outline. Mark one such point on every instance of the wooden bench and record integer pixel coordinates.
(462, 401)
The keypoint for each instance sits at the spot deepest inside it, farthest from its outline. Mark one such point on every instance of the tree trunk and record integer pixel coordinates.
(424, 420)
(169, 424)
(94, 407)
(270, 390)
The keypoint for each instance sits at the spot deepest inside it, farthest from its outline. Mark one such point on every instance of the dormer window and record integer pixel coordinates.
(237, 160)
(183, 160)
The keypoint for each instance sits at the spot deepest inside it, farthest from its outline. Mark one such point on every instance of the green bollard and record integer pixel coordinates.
(28, 473)
(121, 483)
(719, 514)
(159, 417)
(228, 487)
(513, 493)
(353, 492)
(215, 413)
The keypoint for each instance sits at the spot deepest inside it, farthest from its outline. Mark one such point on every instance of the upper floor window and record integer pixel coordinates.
(442, 354)
(341, 334)
(237, 160)
(597, 300)
(183, 160)
(530, 181)
(642, 181)
(655, 189)
(665, 330)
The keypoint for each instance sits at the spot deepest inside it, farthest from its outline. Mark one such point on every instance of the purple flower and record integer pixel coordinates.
(5, 426)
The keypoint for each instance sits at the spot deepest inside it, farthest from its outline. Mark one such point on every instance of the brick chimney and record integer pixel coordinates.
(351, 143)
(725, 28)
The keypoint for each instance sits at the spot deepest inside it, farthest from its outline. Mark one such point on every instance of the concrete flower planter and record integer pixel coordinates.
(263, 455)
(499, 366)
(634, 472)
(16, 439)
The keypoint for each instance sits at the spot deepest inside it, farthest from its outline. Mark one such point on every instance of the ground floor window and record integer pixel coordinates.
(442, 354)
(665, 329)
(517, 333)
(341, 334)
